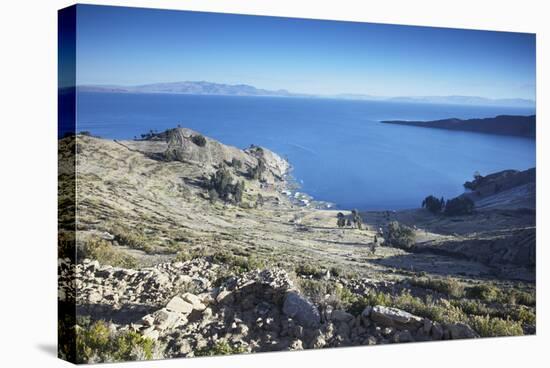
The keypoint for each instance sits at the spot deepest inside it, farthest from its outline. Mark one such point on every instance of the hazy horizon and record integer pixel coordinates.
(136, 46)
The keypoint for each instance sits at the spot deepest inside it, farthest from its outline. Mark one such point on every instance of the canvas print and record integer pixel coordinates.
(236, 184)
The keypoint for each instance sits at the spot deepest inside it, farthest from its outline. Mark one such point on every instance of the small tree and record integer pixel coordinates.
(399, 236)
(357, 220)
(256, 172)
(433, 204)
(199, 140)
(459, 206)
(341, 220)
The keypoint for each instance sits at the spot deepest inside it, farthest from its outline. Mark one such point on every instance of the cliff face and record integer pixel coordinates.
(521, 126)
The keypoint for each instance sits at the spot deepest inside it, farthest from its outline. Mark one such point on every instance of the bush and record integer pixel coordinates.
(97, 344)
(433, 204)
(399, 236)
(492, 326)
(306, 269)
(131, 238)
(199, 140)
(485, 292)
(237, 164)
(219, 348)
(459, 206)
(106, 254)
(449, 286)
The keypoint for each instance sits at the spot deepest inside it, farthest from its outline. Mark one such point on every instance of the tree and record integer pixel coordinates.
(257, 171)
(399, 236)
(433, 204)
(459, 206)
(341, 219)
(199, 140)
(221, 182)
(357, 220)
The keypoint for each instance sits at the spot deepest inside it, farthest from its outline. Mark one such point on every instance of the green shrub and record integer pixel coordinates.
(97, 344)
(131, 238)
(199, 140)
(448, 286)
(106, 254)
(399, 236)
(219, 348)
(485, 292)
(306, 269)
(492, 326)
(459, 206)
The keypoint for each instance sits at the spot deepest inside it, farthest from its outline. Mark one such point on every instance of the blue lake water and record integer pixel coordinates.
(339, 150)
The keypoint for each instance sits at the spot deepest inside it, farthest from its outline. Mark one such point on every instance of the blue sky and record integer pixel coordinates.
(128, 46)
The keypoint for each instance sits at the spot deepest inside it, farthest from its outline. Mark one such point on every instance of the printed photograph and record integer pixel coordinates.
(236, 184)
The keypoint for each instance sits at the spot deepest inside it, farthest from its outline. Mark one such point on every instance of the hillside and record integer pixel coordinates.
(166, 251)
(520, 126)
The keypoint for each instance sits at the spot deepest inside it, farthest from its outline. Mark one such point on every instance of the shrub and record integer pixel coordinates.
(305, 269)
(485, 292)
(131, 239)
(97, 344)
(492, 326)
(105, 253)
(433, 204)
(459, 206)
(199, 140)
(237, 164)
(219, 348)
(399, 236)
(449, 286)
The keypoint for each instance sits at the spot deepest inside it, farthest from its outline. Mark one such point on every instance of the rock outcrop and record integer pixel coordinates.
(187, 307)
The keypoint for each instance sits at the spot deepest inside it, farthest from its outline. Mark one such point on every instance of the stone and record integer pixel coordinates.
(225, 297)
(393, 317)
(437, 331)
(194, 301)
(177, 304)
(318, 342)
(296, 345)
(460, 331)
(148, 320)
(402, 336)
(301, 310)
(341, 316)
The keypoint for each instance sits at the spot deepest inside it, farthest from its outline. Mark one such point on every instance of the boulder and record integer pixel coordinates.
(177, 304)
(341, 316)
(302, 310)
(460, 331)
(393, 317)
(194, 301)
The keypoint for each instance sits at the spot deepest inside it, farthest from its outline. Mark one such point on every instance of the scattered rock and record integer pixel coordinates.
(393, 317)
(301, 309)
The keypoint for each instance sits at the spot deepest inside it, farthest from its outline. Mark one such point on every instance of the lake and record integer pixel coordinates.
(340, 151)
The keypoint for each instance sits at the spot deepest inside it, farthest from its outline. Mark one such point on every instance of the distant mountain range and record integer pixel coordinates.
(209, 88)
(520, 126)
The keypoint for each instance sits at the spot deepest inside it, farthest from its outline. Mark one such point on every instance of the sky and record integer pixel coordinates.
(132, 46)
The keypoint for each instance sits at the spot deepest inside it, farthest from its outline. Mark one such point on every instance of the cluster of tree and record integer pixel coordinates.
(433, 204)
(256, 172)
(454, 207)
(354, 221)
(221, 186)
(199, 140)
(474, 184)
(459, 206)
(399, 236)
